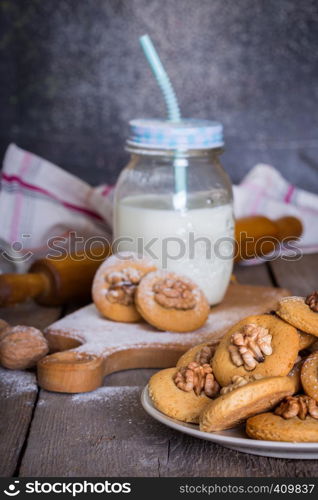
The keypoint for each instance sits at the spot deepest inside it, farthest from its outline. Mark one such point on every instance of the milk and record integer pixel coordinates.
(196, 242)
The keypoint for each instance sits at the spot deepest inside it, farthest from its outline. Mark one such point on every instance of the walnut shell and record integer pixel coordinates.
(22, 347)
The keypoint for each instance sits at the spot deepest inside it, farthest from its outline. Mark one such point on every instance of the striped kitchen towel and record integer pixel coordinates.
(40, 204)
(264, 191)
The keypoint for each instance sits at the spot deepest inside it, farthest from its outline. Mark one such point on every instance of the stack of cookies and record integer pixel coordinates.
(263, 372)
(129, 289)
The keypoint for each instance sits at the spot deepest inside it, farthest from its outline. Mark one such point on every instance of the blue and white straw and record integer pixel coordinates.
(173, 113)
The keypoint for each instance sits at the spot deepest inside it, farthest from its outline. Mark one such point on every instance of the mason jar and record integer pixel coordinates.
(173, 201)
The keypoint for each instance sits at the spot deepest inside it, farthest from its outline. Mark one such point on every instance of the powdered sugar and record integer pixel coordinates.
(121, 258)
(16, 382)
(101, 336)
(115, 264)
(106, 394)
(293, 298)
(34, 332)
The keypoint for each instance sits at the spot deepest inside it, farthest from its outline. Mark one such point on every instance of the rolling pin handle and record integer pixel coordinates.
(16, 288)
(70, 372)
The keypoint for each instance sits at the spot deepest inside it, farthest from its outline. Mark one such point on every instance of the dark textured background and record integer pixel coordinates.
(72, 75)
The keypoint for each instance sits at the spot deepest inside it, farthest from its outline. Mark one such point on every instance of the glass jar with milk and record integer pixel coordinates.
(173, 201)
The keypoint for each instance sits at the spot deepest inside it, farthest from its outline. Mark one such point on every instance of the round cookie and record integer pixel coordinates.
(271, 427)
(305, 340)
(284, 344)
(314, 346)
(230, 409)
(197, 353)
(309, 375)
(172, 401)
(296, 312)
(115, 284)
(171, 302)
(295, 375)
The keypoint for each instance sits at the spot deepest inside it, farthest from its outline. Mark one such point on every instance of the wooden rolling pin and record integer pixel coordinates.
(53, 282)
(257, 235)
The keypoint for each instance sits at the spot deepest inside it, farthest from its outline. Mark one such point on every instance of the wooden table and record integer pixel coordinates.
(107, 433)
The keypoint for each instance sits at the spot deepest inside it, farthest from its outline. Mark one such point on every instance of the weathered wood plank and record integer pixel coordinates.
(252, 275)
(18, 392)
(139, 377)
(18, 389)
(107, 433)
(30, 313)
(104, 433)
(300, 277)
(190, 457)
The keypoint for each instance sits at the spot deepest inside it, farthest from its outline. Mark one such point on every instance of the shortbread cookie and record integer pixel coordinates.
(171, 302)
(295, 375)
(271, 427)
(175, 402)
(295, 420)
(201, 353)
(305, 340)
(309, 375)
(115, 284)
(297, 312)
(261, 344)
(313, 347)
(237, 405)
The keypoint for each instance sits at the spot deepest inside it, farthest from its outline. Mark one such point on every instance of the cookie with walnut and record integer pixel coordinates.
(181, 393)
(244, 397)
(115, 284)
(171, 302)
(309, 375)
(261, 344)
(305, 340)
(295, 374)
(201, 353)
(301, 312)
(294, 420)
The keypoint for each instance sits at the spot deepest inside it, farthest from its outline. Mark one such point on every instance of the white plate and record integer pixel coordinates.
(235, 439)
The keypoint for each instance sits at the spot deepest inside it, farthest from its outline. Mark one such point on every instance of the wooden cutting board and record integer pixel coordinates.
(87, 347)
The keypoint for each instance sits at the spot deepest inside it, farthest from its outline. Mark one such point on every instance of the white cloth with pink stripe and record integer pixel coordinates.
(264, 191)
(40, 201)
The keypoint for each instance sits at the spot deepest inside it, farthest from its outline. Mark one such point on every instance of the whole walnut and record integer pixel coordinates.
(21, 347)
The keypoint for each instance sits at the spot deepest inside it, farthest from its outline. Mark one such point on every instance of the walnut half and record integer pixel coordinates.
(250, 345)
(198, 378)
(122, 285)
(174, 294)
(297, 406)
(312, 301)
(205, 354)
(238, 381)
